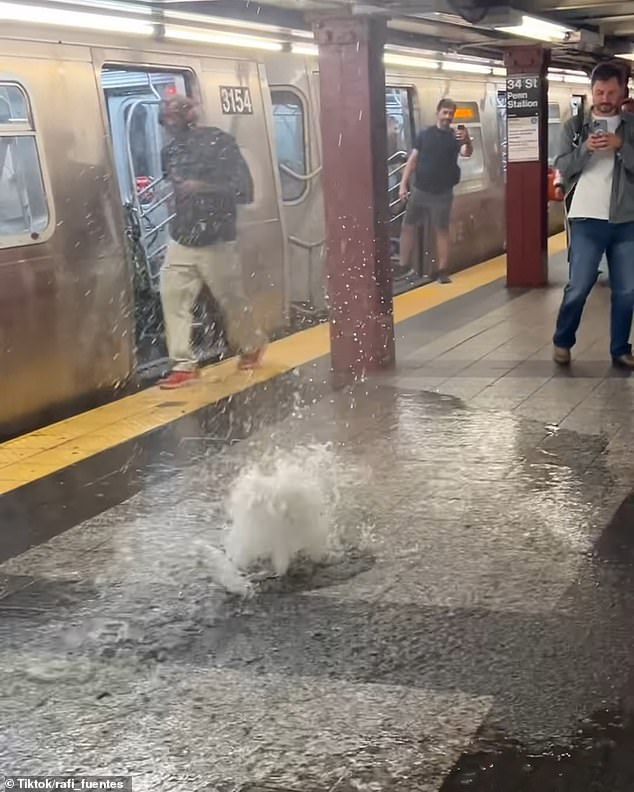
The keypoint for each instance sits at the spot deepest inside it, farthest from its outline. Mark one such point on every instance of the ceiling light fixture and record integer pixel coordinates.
(304, 49)
(393, 59)
(539, 29)
(226, 39)
(12, 12)
(575, 78)
(467, 68)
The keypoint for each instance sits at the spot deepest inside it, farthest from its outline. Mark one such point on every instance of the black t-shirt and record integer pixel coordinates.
(437, 169)
(209, 155)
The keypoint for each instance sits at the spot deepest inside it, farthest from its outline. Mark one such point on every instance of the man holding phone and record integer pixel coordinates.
(434, 161)
(597, 166)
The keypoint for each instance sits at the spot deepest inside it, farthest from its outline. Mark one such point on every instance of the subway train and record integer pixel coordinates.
(84, 210)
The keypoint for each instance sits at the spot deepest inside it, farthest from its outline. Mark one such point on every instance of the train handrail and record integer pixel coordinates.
(396, 170)
(397, 154)
(301, 243)
(303, 177)
(156, 205)
(151, 185)
(136, 195)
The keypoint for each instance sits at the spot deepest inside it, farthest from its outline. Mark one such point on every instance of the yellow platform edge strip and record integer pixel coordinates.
(55, 447)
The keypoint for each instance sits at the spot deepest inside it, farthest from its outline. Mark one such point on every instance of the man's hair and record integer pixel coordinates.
(180, 105)
(446, 104)
(609, 71)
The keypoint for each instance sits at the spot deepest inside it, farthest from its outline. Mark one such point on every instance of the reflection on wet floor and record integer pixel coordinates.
(472, 590)
(599, 757)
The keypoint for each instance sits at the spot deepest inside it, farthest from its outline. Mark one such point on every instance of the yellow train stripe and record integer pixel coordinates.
(48, 450)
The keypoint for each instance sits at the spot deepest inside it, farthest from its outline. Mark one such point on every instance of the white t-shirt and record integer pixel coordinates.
(594, 189)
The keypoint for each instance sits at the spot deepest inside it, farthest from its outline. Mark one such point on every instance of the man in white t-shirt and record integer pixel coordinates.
(597, 166)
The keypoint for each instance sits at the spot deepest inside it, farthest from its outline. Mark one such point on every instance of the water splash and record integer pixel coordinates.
(283, 508)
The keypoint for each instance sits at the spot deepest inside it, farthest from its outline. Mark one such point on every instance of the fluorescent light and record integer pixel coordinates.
(626, 56)
(392, 59)
(468, 68)
(304, 49)
(498, 71)
(226, 39)
(555, 75)
(539, 29)
(568, 78)
(41, 15)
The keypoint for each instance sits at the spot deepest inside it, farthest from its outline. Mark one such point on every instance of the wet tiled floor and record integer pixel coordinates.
(473, 616)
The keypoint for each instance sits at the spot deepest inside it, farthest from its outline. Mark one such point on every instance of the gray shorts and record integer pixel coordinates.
(436, 206)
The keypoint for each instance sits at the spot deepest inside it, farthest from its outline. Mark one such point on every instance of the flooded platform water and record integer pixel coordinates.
(424, 583)
(457, 613)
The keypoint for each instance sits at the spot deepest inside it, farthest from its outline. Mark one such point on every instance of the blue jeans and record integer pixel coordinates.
(589, 240)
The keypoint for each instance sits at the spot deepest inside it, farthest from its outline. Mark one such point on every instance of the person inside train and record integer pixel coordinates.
(210, 179)
(434, 164)
(597, 166)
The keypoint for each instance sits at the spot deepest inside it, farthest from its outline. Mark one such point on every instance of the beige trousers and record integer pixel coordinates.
(185, 270)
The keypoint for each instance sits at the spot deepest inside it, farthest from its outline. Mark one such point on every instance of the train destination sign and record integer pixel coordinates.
(522, 118)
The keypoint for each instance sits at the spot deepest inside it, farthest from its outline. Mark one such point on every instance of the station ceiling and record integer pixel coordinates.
(593, 29)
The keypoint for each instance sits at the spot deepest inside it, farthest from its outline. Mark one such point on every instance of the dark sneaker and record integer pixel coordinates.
(179, 379)
(444, 278)
(561, 356)
(251, 360)
(624, 361)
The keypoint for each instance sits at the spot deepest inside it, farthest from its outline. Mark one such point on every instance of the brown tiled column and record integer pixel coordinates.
(353, 128)
(526, 186)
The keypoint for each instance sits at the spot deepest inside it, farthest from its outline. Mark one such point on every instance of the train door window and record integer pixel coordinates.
(577, 104)
(472, 168)
(398, 110)
(554, 131)
(290, 142)
(133, 99)
(24, 213)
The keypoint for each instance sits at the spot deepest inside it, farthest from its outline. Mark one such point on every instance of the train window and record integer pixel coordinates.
(467, 113)
(13, 105)
(24, 213)
(398, 109)
(290, 142)
(472, 167)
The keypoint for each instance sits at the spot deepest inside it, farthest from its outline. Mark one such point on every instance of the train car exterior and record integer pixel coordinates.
(84, 208)
(79, 143)
(478, 218)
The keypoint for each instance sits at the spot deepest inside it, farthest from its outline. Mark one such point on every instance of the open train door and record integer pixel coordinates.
(133, 100)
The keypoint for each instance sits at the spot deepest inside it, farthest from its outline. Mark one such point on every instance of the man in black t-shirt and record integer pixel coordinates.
(434, 161)
(210, 179)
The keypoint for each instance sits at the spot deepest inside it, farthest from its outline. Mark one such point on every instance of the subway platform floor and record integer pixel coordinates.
(471, 627)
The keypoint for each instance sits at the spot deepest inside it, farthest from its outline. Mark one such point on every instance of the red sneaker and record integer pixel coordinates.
(251, 360)
(178, 379)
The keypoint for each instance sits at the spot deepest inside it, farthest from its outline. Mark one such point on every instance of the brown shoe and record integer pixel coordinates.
(624, 361)
(561, 356)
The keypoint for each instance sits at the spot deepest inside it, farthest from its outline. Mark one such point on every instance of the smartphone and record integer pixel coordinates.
(462, 127)
(600, 126)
